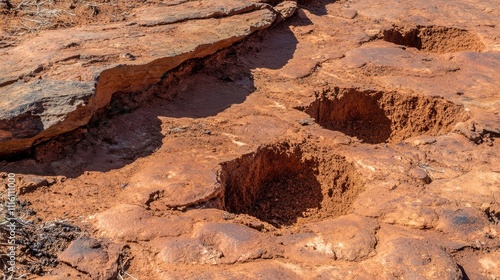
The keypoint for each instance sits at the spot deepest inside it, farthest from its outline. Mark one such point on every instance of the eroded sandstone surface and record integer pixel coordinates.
(56, 81)
(253, 140)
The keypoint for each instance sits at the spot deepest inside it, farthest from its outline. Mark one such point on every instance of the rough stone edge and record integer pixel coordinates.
(102, 97)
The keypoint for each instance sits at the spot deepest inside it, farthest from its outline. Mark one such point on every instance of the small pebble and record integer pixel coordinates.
(128, 56)
(421, 175)
(307, 121)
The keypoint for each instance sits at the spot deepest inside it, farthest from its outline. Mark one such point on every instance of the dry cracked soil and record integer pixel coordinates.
(250, 139)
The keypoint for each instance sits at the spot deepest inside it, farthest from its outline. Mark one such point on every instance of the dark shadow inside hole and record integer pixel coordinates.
(409, 39)
(353, 113)
(273, 184)
(437, 39)
(464, 274)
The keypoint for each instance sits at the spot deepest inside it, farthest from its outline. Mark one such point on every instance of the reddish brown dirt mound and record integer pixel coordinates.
(281, 185)
(437, 39)
(377, 117)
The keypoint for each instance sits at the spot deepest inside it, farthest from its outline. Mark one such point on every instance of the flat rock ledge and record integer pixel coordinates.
(55, 82)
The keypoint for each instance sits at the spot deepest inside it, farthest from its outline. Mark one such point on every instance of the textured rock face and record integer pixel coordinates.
(42, 108)
(215, 243)
(54, 82)
(125, 221)
(99, 259)
(349, 238)
(410, 258)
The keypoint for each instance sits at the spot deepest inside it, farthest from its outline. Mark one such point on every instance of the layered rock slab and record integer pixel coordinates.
(96, 258)
(55, 82)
